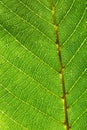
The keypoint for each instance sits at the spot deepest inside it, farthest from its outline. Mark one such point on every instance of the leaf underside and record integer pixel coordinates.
(31, 86)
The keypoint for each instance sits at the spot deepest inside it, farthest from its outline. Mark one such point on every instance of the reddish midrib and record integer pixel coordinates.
(66, 122)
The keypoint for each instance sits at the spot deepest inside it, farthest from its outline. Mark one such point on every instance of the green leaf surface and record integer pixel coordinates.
(43, 60)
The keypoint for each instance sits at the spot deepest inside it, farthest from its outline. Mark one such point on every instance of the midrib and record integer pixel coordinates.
(66, 122)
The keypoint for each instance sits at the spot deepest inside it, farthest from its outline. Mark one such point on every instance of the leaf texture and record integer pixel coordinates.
(43, 84)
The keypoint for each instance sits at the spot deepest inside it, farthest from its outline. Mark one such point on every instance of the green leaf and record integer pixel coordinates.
(43, 64)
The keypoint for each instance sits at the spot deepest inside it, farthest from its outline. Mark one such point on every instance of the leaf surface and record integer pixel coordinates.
(43, 83)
